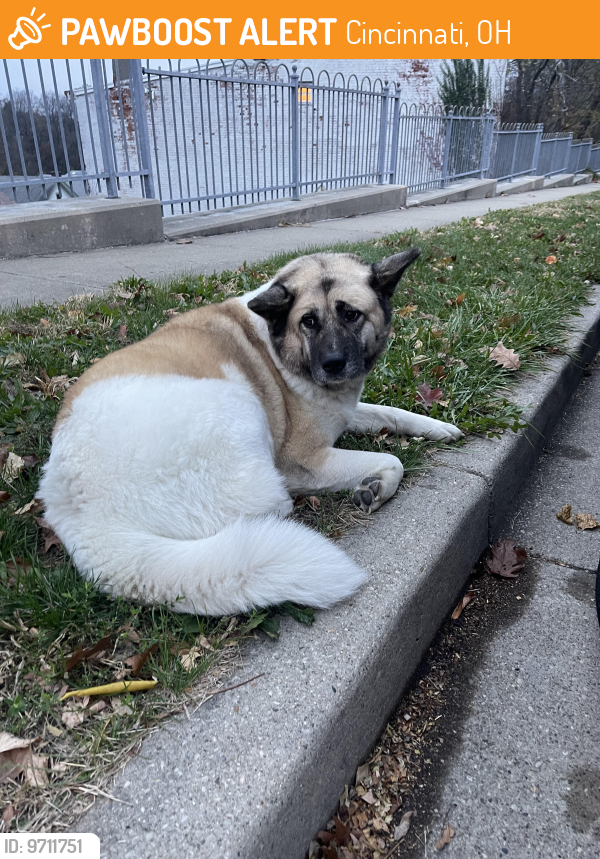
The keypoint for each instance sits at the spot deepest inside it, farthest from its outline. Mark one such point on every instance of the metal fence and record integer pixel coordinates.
(228, 133)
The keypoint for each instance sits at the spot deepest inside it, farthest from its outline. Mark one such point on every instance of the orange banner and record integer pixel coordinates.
(140, 28)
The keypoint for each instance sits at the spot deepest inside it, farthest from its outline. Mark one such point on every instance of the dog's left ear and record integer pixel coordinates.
(387, 273)
(274, 305)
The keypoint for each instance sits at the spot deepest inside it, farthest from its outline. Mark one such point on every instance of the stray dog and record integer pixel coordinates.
(173, 460)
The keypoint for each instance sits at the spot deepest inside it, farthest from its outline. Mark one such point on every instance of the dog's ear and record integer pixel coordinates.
(387, 273)
(274, 305)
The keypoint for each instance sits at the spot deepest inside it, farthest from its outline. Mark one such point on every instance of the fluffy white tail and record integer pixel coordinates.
(252, 562)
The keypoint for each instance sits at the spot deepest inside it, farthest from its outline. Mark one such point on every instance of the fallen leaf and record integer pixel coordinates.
(4, 496)
(368, 798)
(407, 311)
(36, 771)
(184, 241)
(508, 321)
(538, 235)
(56, 732)
(8, 813)
(447, 836)
(13, 360)
(33, 506)
(137, 661)
(73, 718)
(428, 395)
(30, 461)
(478, 222)
(314, 502)
(504, 357)
(460, 298)
(12, 467)
(362, 773)
(342, 832)
(463, 604)
(586, 522)
(81, 655)
(14, 755)
(506, 559)
(565, 515)
(122, 333)
(189, 657)
(551, 259)
(403, 827)
(113, 688)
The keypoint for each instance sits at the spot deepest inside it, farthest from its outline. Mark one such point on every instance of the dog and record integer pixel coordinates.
(175, 459)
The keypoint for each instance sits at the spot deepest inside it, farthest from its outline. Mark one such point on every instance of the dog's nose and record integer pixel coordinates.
(334, 363)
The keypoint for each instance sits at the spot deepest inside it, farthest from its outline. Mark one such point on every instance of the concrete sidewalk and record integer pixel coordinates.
(55, 278)
(525, 781)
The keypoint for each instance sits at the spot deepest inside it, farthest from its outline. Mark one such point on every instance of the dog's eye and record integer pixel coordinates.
(351, 315)
(308, 321)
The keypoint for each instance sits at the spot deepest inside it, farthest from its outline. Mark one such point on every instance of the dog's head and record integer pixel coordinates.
(329, 315)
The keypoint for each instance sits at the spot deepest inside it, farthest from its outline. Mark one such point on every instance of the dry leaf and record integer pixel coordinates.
(122, 333)
(362, 773)
(81, 655)
(314, 502)
(463, 604)
(403, 827)
(73, 718)
(460, 298)
(15, 752)
(586, 522)
(368, 798)
(551, 259)
(504, 357)
(136, 662)
(184, 241)
(565, 515)
(12, 467)
(13, 360)
(426, 395)
(188, 657)
(36, 771)
(447, 836)
(56, 732)
(8, 813)
(506, 559)
(508, 321)
(4, 496)
(407, 311)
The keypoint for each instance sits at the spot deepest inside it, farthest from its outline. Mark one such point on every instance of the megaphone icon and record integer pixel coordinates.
(26, 32)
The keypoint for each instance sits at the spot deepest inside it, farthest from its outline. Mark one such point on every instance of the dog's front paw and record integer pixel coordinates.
(435, 430)
(367, 496)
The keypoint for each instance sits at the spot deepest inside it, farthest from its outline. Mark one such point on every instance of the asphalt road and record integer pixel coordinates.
(522, 777)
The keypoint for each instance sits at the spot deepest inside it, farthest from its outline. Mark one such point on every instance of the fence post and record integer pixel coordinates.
(383, 123)
(101, 105)
(568, 152)
(486, 144)
(449, 117)
(514, 156)
(537, 147)
(138, 104)
(395, 138)
(294, 92)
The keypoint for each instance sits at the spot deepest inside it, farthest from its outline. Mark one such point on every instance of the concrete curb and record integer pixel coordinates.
(62, 226)
(520, 186)
(469, 189)
(256, 772)
(561, 180)
(314, 207)
(582, 179)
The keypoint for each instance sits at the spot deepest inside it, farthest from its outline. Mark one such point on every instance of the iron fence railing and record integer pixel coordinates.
(227, 133)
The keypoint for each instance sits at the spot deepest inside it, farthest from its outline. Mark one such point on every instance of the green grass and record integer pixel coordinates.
(46, 610)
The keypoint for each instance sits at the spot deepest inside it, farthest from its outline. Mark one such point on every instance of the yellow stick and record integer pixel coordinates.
(112, 688)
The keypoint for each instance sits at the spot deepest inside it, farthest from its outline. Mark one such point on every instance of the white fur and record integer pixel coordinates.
(164, 489)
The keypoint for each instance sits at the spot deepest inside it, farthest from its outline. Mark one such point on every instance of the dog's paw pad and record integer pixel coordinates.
(367, 494)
